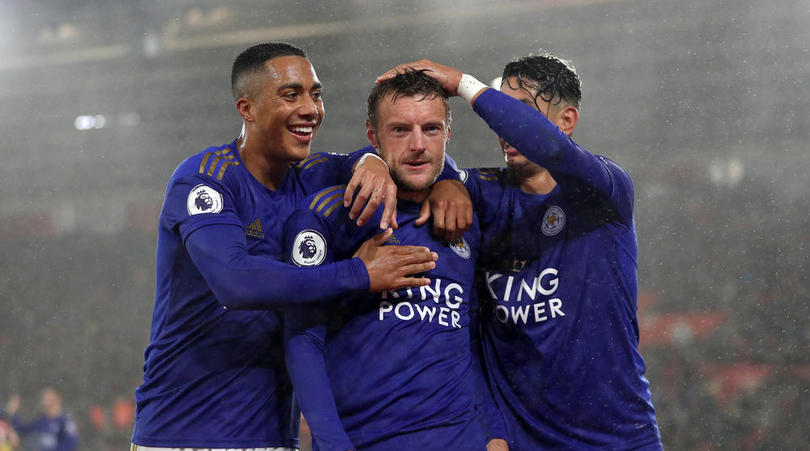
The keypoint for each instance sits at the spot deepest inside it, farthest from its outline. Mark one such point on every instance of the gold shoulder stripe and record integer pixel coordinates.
(204, 162)
(488, 178)
(314, 162)
(332, 208)
(338, 195)
(324, 193)
(222, 154)
(309, 158)
(225, 166)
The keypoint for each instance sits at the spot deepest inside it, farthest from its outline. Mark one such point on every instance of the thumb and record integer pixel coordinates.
(381, 238)
(424, 214)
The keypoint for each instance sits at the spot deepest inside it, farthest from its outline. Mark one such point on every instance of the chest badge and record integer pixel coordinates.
(553, 221)
(461, 248)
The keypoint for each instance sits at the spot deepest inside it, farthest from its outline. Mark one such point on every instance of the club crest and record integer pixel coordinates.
(309, 248)
(553, 221)
(460, 247)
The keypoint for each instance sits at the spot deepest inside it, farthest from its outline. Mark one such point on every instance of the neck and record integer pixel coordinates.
(259, 162)
(534, 179)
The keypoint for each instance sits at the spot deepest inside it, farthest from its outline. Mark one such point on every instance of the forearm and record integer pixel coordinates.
(242, 281)
(488, 413)
(581, 173)
(304, 352)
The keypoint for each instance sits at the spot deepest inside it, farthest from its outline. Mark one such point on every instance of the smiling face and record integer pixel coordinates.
(411, 134)
(284, 108)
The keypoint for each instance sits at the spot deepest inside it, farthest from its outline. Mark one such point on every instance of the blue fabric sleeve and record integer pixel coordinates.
(487, 410)
(242, 281)
(583, 175)
(305, 349)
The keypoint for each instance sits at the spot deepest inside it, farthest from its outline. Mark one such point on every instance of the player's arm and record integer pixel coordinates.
(241, 281)
(304, 350)
(215, 240)
(488, 413)
(305, 335)
(585, 176)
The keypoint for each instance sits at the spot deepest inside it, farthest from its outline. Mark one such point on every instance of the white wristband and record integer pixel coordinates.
(369, 154)
(468, 87)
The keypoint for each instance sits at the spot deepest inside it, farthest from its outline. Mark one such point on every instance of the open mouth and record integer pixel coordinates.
(509, 150)
(416, 165)
(302, 131)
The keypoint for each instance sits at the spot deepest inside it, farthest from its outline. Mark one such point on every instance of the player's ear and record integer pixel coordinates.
(567, 119)
(245, 109)
(371, 134)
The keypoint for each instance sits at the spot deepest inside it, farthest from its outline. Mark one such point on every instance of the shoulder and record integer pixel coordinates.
(213, 163)
(327, 202)
(486, 178)
(319, 158)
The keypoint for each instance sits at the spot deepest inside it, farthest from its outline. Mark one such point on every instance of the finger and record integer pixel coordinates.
(439, 211)
(391, 73)
(380, 238)
(417, 268)
(405, 282)
(390, 201)
(407, 250)
(360, 199)
(424, 214)
(371, 207)
(450, 229)
(394, 223)
(351, 187)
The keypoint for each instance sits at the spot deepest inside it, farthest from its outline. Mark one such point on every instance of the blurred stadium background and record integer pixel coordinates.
(705, 102)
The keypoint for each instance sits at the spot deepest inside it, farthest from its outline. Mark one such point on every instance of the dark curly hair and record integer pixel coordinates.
(554, 78)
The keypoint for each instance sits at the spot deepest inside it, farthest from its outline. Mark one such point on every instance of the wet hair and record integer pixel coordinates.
(252, 61)
(554, 78)
(411, 83)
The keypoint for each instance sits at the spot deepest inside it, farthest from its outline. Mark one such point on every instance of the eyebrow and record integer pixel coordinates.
(298, 86)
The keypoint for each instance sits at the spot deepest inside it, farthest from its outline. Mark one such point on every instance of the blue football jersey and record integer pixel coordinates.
(398, 363)
(215, 377)
(557, 277)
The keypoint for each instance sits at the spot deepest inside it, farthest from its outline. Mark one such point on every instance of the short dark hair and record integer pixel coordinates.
(410, 83)
(555, 79)
(252, 60)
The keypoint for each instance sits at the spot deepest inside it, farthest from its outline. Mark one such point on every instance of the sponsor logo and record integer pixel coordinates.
(461, 248)
(553, 221)
(309, 248)
(203, 199)
(439, 304)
